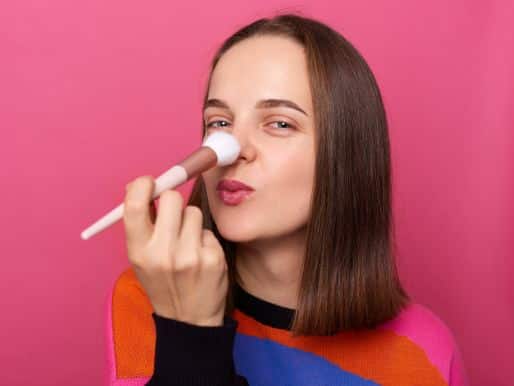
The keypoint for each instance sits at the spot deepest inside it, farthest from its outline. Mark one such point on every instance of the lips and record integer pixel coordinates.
(233, 186)
(233, 192)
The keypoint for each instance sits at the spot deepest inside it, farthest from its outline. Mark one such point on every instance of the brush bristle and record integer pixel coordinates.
(225, 146)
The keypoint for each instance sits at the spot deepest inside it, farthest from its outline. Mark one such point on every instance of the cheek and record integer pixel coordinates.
(294, 171)
(293, 183)
(289, 193)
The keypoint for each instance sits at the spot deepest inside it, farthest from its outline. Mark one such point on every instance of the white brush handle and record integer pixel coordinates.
(170, 179)
(219, 148)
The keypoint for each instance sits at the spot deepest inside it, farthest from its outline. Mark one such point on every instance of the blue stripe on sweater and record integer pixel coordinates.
(267, 363)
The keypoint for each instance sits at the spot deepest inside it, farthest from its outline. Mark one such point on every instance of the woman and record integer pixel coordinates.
(280, 270)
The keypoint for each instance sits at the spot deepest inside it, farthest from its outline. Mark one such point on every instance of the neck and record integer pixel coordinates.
(270, 269)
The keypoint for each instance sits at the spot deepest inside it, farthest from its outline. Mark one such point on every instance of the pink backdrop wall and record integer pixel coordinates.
(95, 93)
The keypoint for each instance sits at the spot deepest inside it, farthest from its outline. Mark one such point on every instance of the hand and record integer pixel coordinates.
(181, 266)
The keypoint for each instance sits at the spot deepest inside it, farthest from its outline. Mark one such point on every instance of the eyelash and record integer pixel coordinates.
(287, 123)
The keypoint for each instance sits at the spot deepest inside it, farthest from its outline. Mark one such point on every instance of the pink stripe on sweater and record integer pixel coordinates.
(427, 330)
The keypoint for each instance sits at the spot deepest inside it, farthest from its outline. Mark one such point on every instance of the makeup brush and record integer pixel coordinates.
(218, 149)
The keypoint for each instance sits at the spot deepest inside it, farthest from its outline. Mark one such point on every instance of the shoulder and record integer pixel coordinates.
(420, 323)
(130, 329)
(423, 327)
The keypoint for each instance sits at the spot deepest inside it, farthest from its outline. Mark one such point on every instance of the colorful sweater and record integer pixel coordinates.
(254, 347)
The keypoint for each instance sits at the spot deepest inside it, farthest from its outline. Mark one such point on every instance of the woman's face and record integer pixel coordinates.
(277, 140)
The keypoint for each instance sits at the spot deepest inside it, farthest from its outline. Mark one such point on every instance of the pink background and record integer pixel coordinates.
(94, 94)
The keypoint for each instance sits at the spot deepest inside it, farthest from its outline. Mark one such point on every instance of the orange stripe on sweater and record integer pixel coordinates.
(133, 328)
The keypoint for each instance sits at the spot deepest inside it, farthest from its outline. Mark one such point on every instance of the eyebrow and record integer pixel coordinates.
(262, 104)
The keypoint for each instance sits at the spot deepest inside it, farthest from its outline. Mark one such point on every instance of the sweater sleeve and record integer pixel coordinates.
(191, 355)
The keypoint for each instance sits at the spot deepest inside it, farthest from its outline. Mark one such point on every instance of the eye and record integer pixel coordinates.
(284, 125)
(225, 123)
(280, 124)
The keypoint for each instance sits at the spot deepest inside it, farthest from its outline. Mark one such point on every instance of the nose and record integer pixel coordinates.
(243, 134)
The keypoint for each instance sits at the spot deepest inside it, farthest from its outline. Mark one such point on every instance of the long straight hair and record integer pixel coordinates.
(349, 279)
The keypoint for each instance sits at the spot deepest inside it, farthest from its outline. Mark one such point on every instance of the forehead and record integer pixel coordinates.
(262, 67)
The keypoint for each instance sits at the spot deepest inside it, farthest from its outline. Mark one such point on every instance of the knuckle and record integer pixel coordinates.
(157, 263)
(141, 182)
(182, 265)
(148, 182)
(213, 262)
(134, 205)
(164, 265)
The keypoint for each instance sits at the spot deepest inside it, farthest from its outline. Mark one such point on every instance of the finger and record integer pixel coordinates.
(169, 218)
(210, 244)
(136, 213)
(212, 256)
(190, 237)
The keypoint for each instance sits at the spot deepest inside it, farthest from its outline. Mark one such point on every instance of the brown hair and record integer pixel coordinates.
(349, 279)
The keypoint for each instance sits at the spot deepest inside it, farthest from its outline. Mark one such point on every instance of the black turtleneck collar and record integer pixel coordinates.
(264, 312)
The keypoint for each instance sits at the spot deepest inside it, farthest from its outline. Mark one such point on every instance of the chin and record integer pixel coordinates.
(235, 231)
